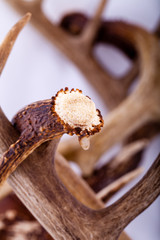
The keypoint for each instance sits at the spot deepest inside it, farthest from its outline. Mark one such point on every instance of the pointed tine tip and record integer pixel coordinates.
(143, 142)
(139, 145)
(119, 183)
(22, 22)
(102, 5)
(133, 148)
(8, 42)
(28, 16)
(25, 18)
(135, 173)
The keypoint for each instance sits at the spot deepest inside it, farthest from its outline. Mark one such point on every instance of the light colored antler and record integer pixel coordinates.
(118, 166)
(7, 44)
(141, 107)
(78, 49)
(106, 193)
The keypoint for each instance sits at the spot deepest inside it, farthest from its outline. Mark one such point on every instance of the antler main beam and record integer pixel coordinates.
(46, 190)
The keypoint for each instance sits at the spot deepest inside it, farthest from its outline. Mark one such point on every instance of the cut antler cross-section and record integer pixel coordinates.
(69, 112)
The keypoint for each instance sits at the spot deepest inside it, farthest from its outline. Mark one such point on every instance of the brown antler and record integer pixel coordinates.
(141, 107)
(11, 135)
(7, 44)
(46, 190)
(78, 50)
(99, 78)
(59, 213)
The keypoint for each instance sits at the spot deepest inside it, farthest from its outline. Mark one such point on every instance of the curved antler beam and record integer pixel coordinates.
(56, 209)
(136, 200)
(141, 107)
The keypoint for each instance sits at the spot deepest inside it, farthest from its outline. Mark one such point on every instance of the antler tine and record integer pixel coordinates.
(136, 200)
(106, 193)
(5, 49)
(71, 48)
(7, 44)
(129, 150)
(118, 166)
(90, 30)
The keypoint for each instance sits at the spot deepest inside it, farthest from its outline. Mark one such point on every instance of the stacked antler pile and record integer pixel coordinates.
(133, 121)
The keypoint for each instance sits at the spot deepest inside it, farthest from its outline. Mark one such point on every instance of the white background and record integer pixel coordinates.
(36, 70)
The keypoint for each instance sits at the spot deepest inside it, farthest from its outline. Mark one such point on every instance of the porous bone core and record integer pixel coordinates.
(77, 110)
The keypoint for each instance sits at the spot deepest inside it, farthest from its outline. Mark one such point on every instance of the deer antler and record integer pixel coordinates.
(106, 193)
(78, 49)
(71, 48)
(74, 24)
(48, 187)
(129, 116)
(7, 44)
(84, 194)
(46, 190)
(58, 215)
(111, 96)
